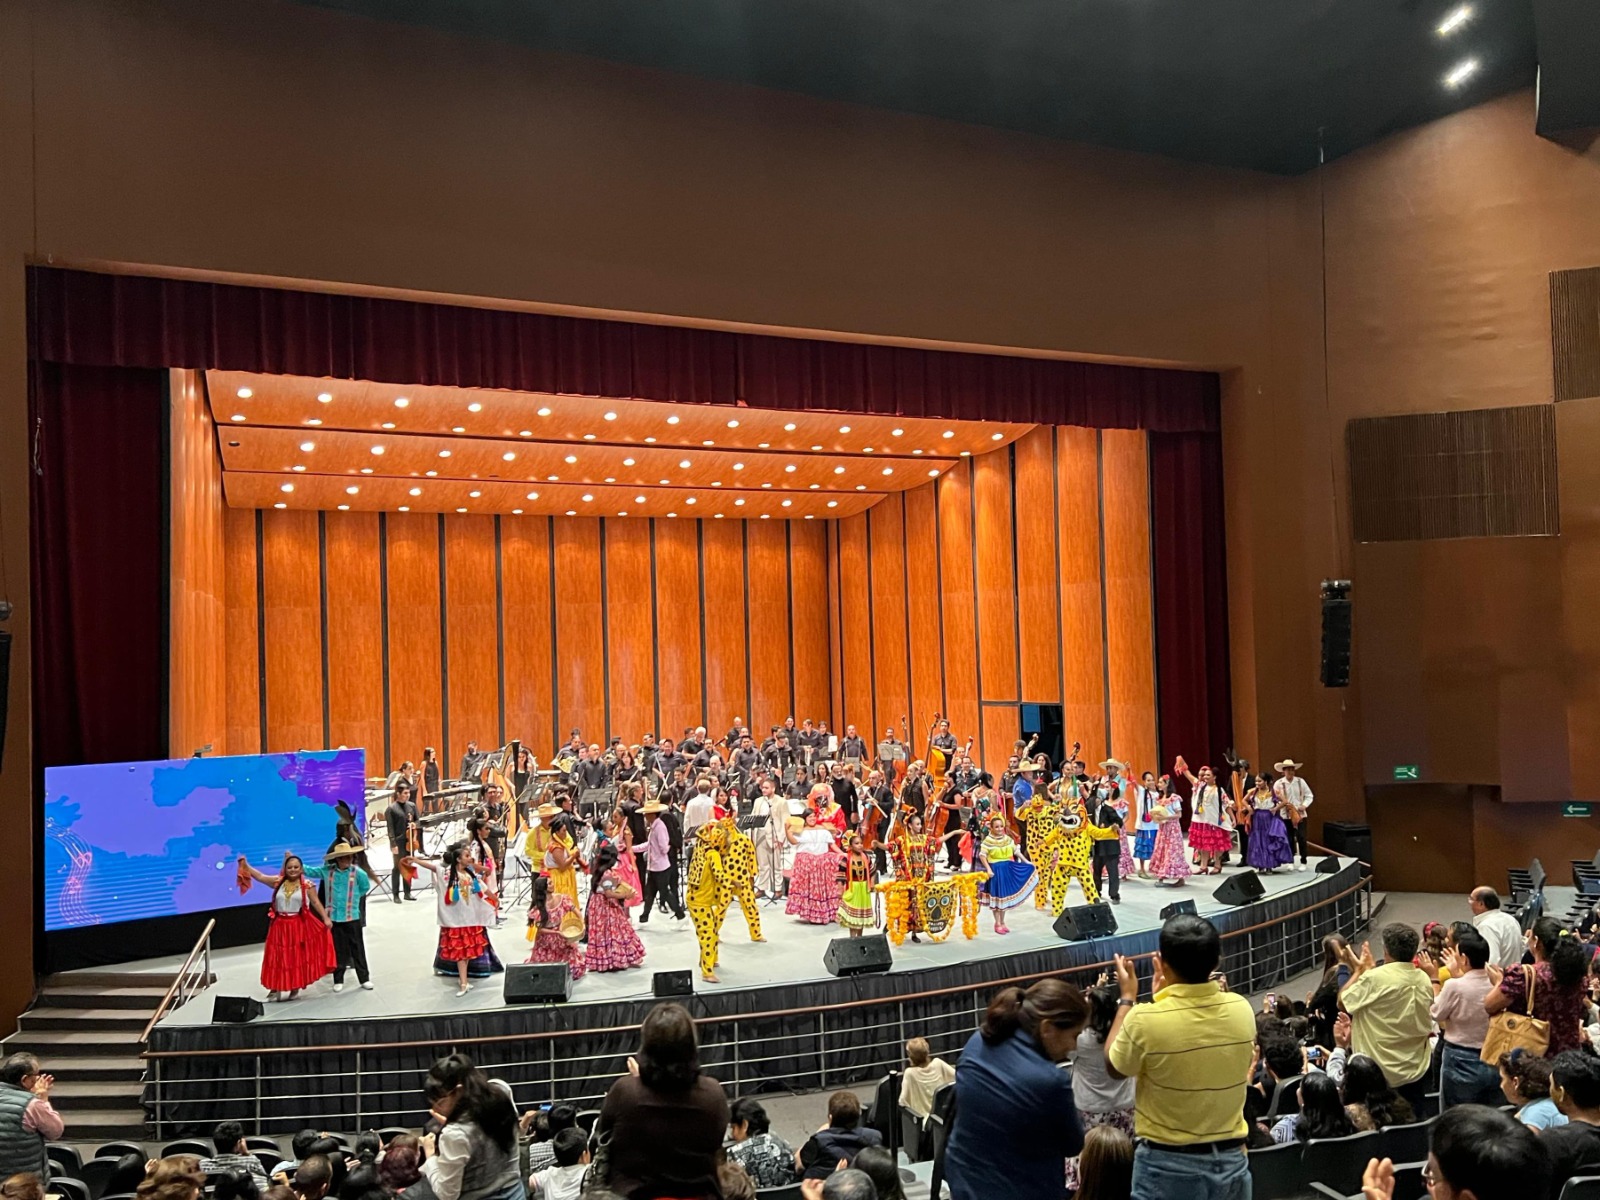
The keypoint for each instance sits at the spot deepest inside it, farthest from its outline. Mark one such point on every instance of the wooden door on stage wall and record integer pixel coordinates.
(1422, 838)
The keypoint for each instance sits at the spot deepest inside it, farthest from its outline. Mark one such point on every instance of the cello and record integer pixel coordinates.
(1008, 800)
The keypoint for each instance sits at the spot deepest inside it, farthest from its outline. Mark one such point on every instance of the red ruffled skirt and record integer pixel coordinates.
(814, 888)
(462, 943)
(1208, 838)
(299, 952)
(613, 944)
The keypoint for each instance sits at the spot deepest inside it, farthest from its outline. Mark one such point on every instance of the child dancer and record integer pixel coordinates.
(613, 944)
(856, 875)
(1169, 857)
(555, 929)
(299, 949)
(1011, 877)
(346, 886)
(465, 909)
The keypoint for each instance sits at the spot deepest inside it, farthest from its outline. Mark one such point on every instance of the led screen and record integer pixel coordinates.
(127, 841)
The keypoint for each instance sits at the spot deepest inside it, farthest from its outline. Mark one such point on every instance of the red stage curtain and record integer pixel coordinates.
(137, 321)
(1195, 703)
(99, 581)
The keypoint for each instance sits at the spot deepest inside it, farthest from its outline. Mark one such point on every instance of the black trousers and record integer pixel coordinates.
(1244, 845)
(663, 885)
(349, 950)
(1114, 866)
(397, 879)
(952, 848)
(1298, 833)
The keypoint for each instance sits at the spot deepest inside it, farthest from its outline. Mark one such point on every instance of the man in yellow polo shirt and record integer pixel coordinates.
(1188, 1052)
(1391, 1011)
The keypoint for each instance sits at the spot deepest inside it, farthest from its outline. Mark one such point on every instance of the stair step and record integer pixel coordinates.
(97, 1095)
(88, 1126)
(83, 1018)
(155, 979)
(54, 1045)
(97, 1068)
(81, 996)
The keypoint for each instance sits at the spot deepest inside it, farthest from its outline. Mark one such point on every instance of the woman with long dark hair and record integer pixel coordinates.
(1101, 1099)
(299, 949)
(1322, 1113)
(1369, 1100)
(555, 929)
(1016, 1124)
(1105, 1168)
(475, 1156)
(613, 943)
(465, 908)
(661, 1126)
(1322, 1005)
(1554, 982)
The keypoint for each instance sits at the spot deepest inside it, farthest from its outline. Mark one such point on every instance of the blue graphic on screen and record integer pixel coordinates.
(127, 841)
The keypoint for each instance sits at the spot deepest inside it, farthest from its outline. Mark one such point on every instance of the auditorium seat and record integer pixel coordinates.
(187, 1146)
(1285, 1098)
(787, 1191)
(66, 1157)
(1581, 1187)
(70, 1189)
(390, 1132)
(264, 1143)
(97, 1172)
(269, 1159)
(118, 1149)
(586, 1117)
(1277, 1173)
(1339, 1162)
(1406, 1143)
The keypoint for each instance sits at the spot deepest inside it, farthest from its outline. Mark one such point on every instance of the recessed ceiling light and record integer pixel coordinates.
(787, 503)
(861, 487)
(461, 510)
(516, 512)
(405, 508)
(544, 412)
(762, 445)
(444, 454)
(737, 503)
(738, 466)
(934, 472)
(789, 428)
(627, 462)
(314, 421)
(623, 513)
(1455, 20)
(401, 401)
(416, 491)
(572, 458)
(1461, 73)
(280, 504)
(733, 424)
(308, 447)
(509, 456)
(949, 433)
(708, 442)
(896, 432)
(351, 490)
(388, 425)
(458, 429)
(588, 437)
(844, 429)
(325, 397)
(286, 487)
(344, 508)
(366, 470)
(664, 483)
(524, 433)
(808, 516)
(766, 516)
(474, 407)
(244, 393)
(838, 470)
(651, 440)
(672, 514)
(888, 470)
(816, 447)
(866, 449)
(611, 478)
(995, 437)
(430, 474)
(672, 420)
(638, 499)
(533, 495)
(716, 483)
(552, 478)
(611, 416)
(789, 470)
(919, 452)
(298, 467)
(815, 486)
(237, 417)
(833, 504)
(684, 464)
(766, 485)
(587, 497)
(474, 495)
(690, 500)
(966, 454)
(377, 449)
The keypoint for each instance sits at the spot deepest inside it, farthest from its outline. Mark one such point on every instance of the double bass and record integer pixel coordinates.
(938, 761)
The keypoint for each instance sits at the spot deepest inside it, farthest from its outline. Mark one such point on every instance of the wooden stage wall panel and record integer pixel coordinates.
(855, 623)
(242, 629)
(580, 660)
(727, 681)
(525, 582)
(416, 717)
(808, 591)
(922, 606)
(1083, 643)
(629, 613)
(771, 645)
(1130, 619)
(890, 656)
(957, 600)
(197, 707)
(292, 575)
(472, 678)
(355, 634)
(1038, 597)
(678, 654)
(993, 539)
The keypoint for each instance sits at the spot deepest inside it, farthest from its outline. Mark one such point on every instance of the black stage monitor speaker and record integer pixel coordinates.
(857, 956)
(1335, 633)
(538, 983)
(1328, 866)
(672, 983)
(1179, 908)
(1081, 921)
(1241, 889)
(235, 1010)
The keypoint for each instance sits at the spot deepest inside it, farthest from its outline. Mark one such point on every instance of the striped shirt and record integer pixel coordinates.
(1189, 1054)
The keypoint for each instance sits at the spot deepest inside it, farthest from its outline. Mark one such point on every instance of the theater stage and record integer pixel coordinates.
(776, 1021)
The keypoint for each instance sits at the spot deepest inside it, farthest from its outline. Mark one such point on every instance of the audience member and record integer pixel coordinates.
(848, 1184)
(1188, 1052)
(666, 1118)
(177, 1177)
(235, 1184)
(401, 1164)
(232, 1154)
(279, 1191)
(544, 1126)
(1464, 1078)
(1499, 928)
(878, 1165)
(476, 1151)
(1574, 1148)
(1322, 1113)
(1525, 1082)
(1105, 1168)
(733, 1181)
(27, 1120)
(1283, 1062)
(26, 1186)
(127, 1175)
(1368, 1098)
(1322, 1005)
(564, 1179)
(765, 1157)
(1474, 1152)
(1014, 1116)
(1101, 1099)
(313, 1178)
(363, 1183)
(838, 1141)
(1390, 1009)
(924, 1075)
(368, 1148)
(1560, 962)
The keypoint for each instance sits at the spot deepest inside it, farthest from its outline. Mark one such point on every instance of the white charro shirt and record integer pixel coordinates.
(1296, 792)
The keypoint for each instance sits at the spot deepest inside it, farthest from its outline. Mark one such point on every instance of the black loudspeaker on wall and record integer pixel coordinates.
(235, 1010)
(1180, 908)
(1241, 889)
(672, 983)
(538, 983)
(1335, 633)
(1081, 921)
(857, 956)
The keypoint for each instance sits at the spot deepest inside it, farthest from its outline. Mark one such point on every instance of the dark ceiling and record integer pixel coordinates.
(1244, 83)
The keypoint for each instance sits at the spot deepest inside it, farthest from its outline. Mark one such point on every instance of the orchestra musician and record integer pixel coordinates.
(405, 836)
(878, 814)
(469, 761)
(944, 740)
(430, 771)
(885, 758)
(744, 761)
(852, 746)
(843, 786)
(495, 810)
(694, 742)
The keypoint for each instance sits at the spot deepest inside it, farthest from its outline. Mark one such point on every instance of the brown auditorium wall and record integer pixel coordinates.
(397, 631)
(197, 714)
(1020, 576)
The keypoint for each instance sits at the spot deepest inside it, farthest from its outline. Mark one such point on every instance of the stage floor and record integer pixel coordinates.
(401, 939)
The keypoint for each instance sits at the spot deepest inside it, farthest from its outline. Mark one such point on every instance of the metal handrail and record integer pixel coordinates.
(540, 1035)
(180, 987)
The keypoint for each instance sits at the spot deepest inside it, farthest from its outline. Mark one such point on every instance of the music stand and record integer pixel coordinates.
(890, 753)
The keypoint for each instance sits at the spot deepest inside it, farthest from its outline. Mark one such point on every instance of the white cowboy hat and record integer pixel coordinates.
(1113, 762)
(1287, 764)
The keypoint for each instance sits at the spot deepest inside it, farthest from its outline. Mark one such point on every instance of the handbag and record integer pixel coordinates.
(599, 1173)
(1515, 1031)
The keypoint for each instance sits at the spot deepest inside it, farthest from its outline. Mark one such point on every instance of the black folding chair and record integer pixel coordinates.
(188, 1146)
(1580, 1187)
(1406, 1143)
(66, 1157)
(70, 1189)
(97, 1172)
(1277, 1173)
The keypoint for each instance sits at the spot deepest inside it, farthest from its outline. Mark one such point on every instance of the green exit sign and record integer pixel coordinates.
(1408, 771)
(1571, 809)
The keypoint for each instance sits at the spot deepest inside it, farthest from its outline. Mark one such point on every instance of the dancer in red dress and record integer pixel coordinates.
(299, 949)
(613, 944)
(555, 929)
(464, 907)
